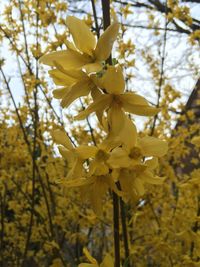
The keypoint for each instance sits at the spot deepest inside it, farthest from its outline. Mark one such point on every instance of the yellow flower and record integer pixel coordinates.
(120, 127)
(89, 190)
(76, 84)
(196, 141)
(129, 102)
(133, 180)
(85, 52)
(130, 168)
(75, 156)
(127, 156)
(98, 173)
(99, 166)
(113, 82)
(107, 261)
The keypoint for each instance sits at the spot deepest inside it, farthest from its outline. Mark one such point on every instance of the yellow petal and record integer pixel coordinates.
(137, 104)
(116, 120)
(141, 110)
(60, 137)
(81, 88)
(115, 174)
(119, 158)
(75, 166)
(96, 202)
(105, 42)
(149, 178)
(92, 67)
(128, 134)
(77, 182)
(67, 59)
(100, 104)
(59, 93)
(86, 152)
(75, 74)
(97, 195)
(126, 181)
(152, 163)
(99, 168)
(93, 166)
(139, 187)
(68, 155)
(112, 80)
(107, 261)
(95, 94)
(70, 45)
(109, 144)
(152, 146)
(83, 38)
(60, 78)
(196, 141)
(88, 256)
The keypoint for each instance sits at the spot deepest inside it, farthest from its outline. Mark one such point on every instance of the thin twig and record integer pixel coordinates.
(161, 73)
(89, 125)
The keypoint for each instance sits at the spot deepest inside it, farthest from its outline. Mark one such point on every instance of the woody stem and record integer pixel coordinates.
(106, 23)
(116, 229)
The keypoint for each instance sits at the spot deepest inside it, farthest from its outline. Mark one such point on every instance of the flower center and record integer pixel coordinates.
(101, 155)
(117, 100)
(135, 153)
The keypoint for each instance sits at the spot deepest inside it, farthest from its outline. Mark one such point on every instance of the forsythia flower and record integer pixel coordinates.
(130, 168)
(196, 141)
(113, 82)
(98, 174)
(133, 179)
(76, 84)
(94, 188)
(144, 147)
(85, 52)
(74, 156)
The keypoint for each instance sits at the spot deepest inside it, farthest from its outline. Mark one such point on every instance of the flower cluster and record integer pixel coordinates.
(82, 69)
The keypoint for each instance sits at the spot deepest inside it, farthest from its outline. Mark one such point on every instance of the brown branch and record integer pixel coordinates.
(151, 28)
(106, 23)
(35, 129)
(124, 230)
(116, 229)
(95, 18)
(2, 209)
